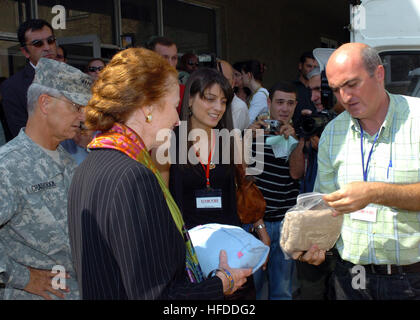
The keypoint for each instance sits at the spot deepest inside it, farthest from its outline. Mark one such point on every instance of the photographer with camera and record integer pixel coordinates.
(310, 126)
(313, 280)
(278, 184)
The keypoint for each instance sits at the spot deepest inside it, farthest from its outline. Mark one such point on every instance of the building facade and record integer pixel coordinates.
(272, 31)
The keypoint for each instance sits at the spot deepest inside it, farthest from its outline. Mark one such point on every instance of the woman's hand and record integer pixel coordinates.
(239, 275)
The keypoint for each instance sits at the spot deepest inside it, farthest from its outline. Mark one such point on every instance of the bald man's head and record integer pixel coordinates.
(357, 53)
(356, 76)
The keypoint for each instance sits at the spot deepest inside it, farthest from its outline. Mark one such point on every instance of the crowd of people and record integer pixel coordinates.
(82, 185)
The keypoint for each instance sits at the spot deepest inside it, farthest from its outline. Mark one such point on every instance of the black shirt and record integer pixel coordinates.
(185, 180)
(304, 102)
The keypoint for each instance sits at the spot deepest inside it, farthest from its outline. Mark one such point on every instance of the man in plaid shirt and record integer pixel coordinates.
(369, 169)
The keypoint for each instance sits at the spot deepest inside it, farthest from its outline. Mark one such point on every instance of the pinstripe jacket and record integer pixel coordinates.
(122, 235)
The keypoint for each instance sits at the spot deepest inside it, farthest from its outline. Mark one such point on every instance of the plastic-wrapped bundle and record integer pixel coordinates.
(310, 222)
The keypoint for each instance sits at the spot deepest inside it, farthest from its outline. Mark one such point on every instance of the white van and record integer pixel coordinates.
(393, 28)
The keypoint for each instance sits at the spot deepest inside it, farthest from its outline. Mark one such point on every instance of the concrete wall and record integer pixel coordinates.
(277, 32)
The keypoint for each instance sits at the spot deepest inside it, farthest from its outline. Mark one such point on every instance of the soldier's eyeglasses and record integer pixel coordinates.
(38, 43)
(77, 107)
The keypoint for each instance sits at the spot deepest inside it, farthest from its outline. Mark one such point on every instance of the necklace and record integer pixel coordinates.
(212, 164)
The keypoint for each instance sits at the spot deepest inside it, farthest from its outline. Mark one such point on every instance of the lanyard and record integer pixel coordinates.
(365, 172)
(207, 167)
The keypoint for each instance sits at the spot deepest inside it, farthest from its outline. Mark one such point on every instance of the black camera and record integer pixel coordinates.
(327, 96)
(273, 126)
(312, 125)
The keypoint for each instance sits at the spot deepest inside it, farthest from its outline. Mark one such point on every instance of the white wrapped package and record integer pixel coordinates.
(242, 248)
(310, 222)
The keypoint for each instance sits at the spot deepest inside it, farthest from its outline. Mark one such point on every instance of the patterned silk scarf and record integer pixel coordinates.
(124, 139)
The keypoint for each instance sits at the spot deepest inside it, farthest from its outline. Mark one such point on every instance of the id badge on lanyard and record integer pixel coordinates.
(368, 213)
(208, 199)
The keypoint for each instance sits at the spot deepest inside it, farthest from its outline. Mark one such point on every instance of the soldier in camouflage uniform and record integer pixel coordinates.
(35, 176)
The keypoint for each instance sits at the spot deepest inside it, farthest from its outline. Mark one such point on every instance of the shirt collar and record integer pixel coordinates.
(36, 151)
(385, 130)
(387, 125)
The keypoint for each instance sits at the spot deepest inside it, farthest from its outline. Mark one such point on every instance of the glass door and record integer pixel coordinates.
(89, 29)
(12, 13)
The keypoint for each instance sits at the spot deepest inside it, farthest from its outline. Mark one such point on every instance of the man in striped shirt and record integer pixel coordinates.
(279, 187)
(369, 165)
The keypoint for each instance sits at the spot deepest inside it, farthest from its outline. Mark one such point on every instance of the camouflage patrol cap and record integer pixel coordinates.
(69, 81)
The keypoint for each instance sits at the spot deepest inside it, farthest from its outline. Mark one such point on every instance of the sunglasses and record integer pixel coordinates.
(190, 63)
(94, 69)
(38, 43)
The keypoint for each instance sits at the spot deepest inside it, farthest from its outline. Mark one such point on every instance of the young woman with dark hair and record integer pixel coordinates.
(252, 77)
(209, 169)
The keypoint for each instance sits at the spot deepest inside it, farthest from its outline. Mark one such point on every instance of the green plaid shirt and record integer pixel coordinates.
(395, 236)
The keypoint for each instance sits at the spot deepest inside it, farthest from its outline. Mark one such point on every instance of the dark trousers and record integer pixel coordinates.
(347, 284)
(314, 281)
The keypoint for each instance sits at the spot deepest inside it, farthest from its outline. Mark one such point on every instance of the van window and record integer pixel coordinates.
(402, 72)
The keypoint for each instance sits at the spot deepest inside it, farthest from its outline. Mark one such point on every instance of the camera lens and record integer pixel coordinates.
(308, 125)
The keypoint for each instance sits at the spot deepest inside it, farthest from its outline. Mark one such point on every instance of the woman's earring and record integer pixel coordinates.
(149, 118)
(190, 111)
